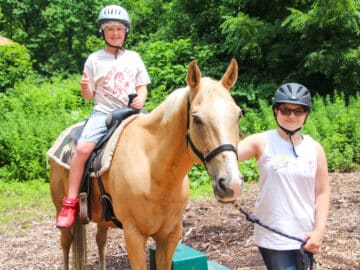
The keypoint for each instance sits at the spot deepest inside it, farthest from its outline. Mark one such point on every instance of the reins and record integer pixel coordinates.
(213, 153)
(255, 220)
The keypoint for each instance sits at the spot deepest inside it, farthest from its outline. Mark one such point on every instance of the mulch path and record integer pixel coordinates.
(217, 230)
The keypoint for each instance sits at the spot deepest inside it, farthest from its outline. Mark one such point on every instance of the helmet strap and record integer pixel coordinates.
(118, 48)
(290, 133)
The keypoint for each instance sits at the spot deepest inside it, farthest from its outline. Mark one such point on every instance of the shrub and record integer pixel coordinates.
(15, 64)
(167, 64)
(34, 116)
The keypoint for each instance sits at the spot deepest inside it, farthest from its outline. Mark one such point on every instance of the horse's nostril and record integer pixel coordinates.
(221, 182)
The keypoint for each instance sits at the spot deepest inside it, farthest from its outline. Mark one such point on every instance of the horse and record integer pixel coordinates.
(147, 178)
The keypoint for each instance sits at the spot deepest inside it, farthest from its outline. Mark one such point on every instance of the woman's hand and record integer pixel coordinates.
(314, 240)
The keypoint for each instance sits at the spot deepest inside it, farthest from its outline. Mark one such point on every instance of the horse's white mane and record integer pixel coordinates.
(173, 102)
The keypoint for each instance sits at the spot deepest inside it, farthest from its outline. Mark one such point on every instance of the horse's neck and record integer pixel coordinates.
(167, 128)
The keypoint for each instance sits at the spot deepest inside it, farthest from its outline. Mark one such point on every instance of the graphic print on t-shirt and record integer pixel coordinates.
(117, 83)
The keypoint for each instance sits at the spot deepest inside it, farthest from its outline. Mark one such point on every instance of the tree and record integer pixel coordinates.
(62, 43)
(314, 43)
(328, 34)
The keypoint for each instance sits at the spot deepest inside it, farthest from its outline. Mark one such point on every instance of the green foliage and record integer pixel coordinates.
(249, 170)
(24, 203)
(247, 95)
(62, 42)
(34, 116)
(325, 52)
(167, 64)
(15, 64)
(338, 130)
(311, 42)
(198, 177)
(250, 34)
(303, 41)
(255, 121)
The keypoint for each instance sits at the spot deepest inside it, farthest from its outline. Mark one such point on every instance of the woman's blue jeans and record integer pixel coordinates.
(286, 259)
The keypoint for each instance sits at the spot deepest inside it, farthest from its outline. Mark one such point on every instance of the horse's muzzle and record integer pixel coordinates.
(227, 190)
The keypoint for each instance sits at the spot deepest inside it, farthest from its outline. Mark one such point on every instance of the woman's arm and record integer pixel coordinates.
(322, 203)
(251, 146)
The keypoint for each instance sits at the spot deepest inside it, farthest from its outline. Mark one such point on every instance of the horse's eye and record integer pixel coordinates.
(197, 120)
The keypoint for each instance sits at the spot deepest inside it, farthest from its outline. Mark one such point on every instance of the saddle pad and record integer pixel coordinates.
(64, 146)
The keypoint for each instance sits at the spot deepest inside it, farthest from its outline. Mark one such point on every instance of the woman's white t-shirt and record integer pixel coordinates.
(113, 79)
(286, 200)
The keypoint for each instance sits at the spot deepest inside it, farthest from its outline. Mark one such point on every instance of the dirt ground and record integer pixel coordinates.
(217, 230)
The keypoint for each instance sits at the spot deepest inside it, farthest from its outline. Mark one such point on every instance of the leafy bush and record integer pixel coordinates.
(15, 64)
(34, 116)
(198, 176)
(167, 64)
(249, 170)
(338, 130)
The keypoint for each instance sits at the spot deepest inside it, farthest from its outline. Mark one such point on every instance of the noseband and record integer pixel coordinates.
(213, 153)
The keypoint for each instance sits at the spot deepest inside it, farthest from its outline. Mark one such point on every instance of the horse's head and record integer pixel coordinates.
(213, 131)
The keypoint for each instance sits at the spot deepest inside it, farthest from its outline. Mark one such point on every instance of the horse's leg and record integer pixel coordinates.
(66, 240)
(101, 237)
(165, 249)
(135, 246)
(58, 176)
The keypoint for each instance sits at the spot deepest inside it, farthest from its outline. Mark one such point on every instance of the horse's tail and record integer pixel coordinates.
(79, 247)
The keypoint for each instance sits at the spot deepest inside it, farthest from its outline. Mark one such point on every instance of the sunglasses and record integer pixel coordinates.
(287, 112)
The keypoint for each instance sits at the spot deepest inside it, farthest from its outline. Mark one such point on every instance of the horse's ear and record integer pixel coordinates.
(231, 74)
(193, 75)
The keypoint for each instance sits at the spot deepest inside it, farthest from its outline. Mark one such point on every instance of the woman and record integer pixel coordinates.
(110, 75)
(294, 195)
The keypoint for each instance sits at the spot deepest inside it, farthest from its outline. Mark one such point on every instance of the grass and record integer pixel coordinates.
(23, 202)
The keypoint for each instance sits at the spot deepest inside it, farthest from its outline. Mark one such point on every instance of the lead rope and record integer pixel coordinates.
(306, 262)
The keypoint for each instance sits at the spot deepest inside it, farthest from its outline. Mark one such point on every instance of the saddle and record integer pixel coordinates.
(93, 165)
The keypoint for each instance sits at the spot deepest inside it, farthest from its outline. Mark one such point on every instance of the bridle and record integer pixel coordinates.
(213, 153)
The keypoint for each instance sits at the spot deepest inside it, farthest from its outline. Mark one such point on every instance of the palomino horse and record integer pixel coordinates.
(147, 178)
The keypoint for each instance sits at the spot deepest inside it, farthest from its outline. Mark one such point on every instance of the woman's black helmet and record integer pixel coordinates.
(293, 93)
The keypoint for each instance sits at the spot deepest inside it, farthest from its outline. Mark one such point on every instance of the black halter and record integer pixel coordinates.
(213, 153)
